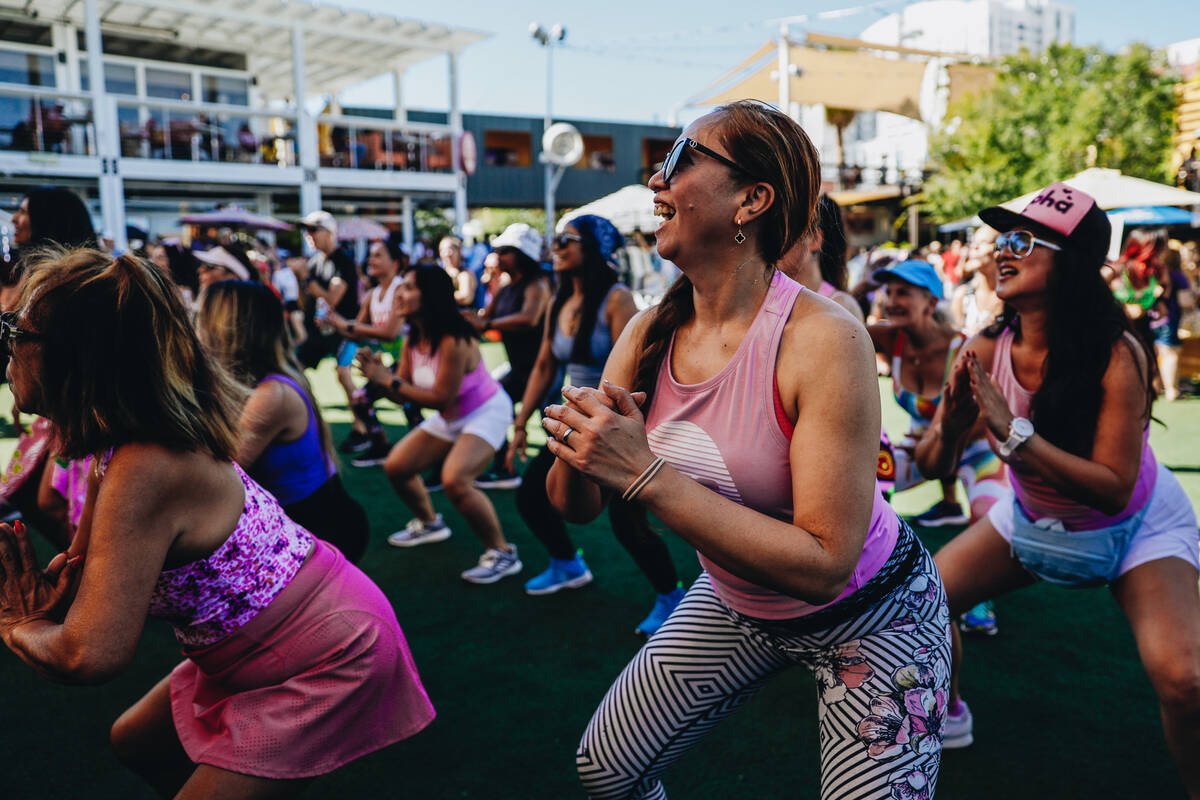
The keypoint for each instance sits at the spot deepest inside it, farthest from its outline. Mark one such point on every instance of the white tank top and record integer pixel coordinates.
(380, 303)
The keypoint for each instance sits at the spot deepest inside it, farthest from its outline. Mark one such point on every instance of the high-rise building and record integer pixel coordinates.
(977, 27)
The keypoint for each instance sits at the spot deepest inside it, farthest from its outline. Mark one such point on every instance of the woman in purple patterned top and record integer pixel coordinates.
(171, 527)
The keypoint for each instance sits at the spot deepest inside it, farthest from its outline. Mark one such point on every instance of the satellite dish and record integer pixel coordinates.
(562, 145)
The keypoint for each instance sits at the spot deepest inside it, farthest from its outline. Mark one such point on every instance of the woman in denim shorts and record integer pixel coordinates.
(1064, 388)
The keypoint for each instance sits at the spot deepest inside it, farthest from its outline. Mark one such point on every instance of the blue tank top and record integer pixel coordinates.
(601, 344)
(293, 470)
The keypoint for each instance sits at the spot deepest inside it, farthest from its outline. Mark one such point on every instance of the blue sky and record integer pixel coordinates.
(630, 60)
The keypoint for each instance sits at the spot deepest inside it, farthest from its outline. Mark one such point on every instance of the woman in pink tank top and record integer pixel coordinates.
(441, 368)
(761, 457)
(1065, 391)
(294, 663)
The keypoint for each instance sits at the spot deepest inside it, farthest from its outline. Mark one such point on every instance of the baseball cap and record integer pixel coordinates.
(1060, 213)
(915, 271)
(220, 257)
(523, 238)
(319, 219)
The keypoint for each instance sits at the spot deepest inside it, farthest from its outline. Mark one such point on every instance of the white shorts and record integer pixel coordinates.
(489, 422)
(1168, 529)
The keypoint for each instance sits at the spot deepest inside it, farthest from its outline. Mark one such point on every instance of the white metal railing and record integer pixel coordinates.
(210, 132)
(36, 119)
(383, 144)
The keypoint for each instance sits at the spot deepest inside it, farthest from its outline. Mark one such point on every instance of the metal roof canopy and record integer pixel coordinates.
(342, 46)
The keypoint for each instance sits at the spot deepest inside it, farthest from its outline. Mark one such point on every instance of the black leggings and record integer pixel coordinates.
(331, 514)
(628, 520)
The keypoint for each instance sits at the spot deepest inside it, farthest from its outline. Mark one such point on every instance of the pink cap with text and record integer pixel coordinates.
(1059, 207)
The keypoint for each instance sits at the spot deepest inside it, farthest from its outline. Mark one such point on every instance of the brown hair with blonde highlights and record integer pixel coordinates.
(123, 360)
(769, 146)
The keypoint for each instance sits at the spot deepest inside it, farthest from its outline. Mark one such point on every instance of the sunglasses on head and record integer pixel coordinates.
(564, 239)
(1021, 243)
(11, 332)
(672, 163)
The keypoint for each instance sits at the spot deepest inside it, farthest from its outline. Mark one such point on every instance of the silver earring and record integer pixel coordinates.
(740, 237)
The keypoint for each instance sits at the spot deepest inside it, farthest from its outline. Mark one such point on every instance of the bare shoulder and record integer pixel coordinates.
(1128, 362)
(984, 348)
(821, 329)
(635, 332)
(151, 473)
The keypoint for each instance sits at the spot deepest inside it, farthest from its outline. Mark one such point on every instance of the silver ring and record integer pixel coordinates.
(566, 434)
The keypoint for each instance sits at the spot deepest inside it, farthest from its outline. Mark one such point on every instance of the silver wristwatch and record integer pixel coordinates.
(1019, 431)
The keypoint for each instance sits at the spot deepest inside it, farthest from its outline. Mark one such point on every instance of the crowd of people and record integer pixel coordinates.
(179, 462)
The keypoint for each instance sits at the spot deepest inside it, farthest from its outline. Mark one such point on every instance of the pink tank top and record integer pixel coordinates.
(723, 434)
(1037, 497)
(826, 289)
(477, 386)
(208, 599)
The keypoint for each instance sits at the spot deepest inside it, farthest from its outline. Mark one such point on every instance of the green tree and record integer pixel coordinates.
(1048, 117)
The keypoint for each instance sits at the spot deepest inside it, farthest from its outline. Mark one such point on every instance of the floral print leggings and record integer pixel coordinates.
(881, 660)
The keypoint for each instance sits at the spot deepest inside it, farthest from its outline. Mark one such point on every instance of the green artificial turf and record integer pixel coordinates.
(1062, 708)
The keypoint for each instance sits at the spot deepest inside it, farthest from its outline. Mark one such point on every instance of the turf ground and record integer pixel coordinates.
(1062, 708)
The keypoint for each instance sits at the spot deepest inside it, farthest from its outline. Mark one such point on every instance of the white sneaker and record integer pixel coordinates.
(494, 565)
(958, 728)
(417, 532)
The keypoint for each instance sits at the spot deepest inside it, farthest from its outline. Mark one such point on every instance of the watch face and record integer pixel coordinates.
(1022, 427)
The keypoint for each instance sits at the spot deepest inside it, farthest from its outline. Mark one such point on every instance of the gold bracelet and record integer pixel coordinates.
(644, 479)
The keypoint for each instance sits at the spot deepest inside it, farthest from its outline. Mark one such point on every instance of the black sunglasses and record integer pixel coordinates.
(11, 333)
(672, 163)
(564, 239)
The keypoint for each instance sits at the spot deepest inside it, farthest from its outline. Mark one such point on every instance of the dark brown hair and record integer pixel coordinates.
(121, 361)
(772, 148)
(244, 327)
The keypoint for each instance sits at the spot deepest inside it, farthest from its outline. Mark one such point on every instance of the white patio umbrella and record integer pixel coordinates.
(361, 228)
(1111, 189)
(630, 209)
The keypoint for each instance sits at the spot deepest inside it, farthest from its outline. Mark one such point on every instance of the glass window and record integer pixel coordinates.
(29, 69)
(507, 148)
(118, 79)
(226, 90)
(168, 83)
(597, 153)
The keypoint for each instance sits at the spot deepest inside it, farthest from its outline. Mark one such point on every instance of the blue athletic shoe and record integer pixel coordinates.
(560, 575)
(664, 604)
(980, 620)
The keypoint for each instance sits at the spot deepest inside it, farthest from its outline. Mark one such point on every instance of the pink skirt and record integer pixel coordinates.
(320, 677)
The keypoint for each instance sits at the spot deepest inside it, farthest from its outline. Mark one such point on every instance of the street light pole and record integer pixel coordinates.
(547, 38)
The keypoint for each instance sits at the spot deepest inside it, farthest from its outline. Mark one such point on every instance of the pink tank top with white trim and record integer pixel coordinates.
(379, 305)
(1037, 497)
(477, 386)
(723, 434)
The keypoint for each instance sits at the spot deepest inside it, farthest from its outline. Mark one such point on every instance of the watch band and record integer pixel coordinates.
(1016, 437)
(395, 385)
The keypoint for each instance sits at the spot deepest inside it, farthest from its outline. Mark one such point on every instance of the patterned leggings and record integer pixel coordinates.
(881, 660)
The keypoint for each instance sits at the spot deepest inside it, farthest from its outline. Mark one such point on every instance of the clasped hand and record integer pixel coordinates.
(971, 394)
(26, 592)
(601, 433)
(372, 368)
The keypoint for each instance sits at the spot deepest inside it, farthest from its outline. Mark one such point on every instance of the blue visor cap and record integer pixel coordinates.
(915, 271)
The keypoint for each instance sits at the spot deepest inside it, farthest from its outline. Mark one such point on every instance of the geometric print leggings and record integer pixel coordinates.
(881, 660)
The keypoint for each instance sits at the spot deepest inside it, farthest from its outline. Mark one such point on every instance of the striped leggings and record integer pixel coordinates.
(881, 660)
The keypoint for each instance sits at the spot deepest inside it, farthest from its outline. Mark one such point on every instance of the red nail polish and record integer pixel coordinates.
(19, 527)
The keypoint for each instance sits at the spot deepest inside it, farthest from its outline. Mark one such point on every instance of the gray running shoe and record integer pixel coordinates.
(494, 565)
(417, 532)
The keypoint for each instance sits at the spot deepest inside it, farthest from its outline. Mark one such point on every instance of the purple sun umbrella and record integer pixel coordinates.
(235, 217)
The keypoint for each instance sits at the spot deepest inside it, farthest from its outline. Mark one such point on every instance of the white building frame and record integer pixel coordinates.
(293, 50)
